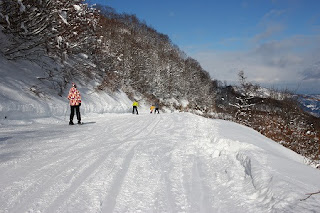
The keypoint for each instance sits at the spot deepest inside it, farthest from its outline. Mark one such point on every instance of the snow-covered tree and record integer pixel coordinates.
(61, 27)
(244, 98)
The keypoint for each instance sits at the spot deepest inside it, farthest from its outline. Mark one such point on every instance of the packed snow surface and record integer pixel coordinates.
(168, 162)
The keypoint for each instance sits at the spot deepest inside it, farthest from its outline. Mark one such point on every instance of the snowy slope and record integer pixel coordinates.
(24, 96)
(168, 162)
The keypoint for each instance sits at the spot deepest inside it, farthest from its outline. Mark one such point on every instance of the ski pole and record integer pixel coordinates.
(65, 114)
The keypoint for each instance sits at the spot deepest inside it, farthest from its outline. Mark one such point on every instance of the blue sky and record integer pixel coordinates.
(275, 42)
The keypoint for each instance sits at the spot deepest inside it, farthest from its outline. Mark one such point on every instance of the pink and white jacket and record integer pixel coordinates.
(74, 97)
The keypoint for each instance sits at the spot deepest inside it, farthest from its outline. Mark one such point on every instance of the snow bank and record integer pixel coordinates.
(24, 96)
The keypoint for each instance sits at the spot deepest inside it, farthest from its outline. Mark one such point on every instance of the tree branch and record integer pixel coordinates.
(309, 195)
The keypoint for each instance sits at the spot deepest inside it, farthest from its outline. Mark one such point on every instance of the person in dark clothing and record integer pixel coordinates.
(156, 108)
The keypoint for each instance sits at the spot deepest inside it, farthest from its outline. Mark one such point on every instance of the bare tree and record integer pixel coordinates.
(244, 98)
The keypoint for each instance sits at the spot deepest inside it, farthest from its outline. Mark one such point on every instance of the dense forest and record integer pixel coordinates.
(120, 52)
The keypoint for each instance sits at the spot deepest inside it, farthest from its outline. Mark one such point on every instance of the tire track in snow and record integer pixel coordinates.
(186, 176)
(137, 130)
(125, 148)
(168, 192)
(85, 174)
(109, 202)
(52, 170)
(142, 184)
(61, 176)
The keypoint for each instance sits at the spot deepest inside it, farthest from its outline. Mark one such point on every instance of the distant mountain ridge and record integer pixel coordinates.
(311, 104)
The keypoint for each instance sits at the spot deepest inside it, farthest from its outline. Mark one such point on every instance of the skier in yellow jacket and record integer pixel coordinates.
(75, 103)
(135, 107)
(151, 109)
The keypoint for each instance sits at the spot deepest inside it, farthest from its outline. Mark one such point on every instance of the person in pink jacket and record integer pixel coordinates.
(75, 103)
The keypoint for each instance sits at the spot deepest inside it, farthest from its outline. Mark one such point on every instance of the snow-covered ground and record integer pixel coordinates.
(168, 162)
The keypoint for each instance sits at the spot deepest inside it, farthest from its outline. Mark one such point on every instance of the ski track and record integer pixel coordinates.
(124, 163)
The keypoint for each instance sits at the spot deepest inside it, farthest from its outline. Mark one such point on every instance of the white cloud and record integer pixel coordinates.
(271, 30)
(273, 14)
(293, 62)
(272, 23)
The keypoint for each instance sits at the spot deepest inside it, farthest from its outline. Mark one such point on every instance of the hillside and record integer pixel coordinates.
(168, 162)
(24, 96)
(276, 114)
(117, 51)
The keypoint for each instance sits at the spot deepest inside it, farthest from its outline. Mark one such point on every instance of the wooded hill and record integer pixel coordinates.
(120, 52)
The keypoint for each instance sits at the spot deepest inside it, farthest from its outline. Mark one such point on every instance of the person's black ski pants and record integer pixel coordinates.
(135, 109)
(77, 108)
